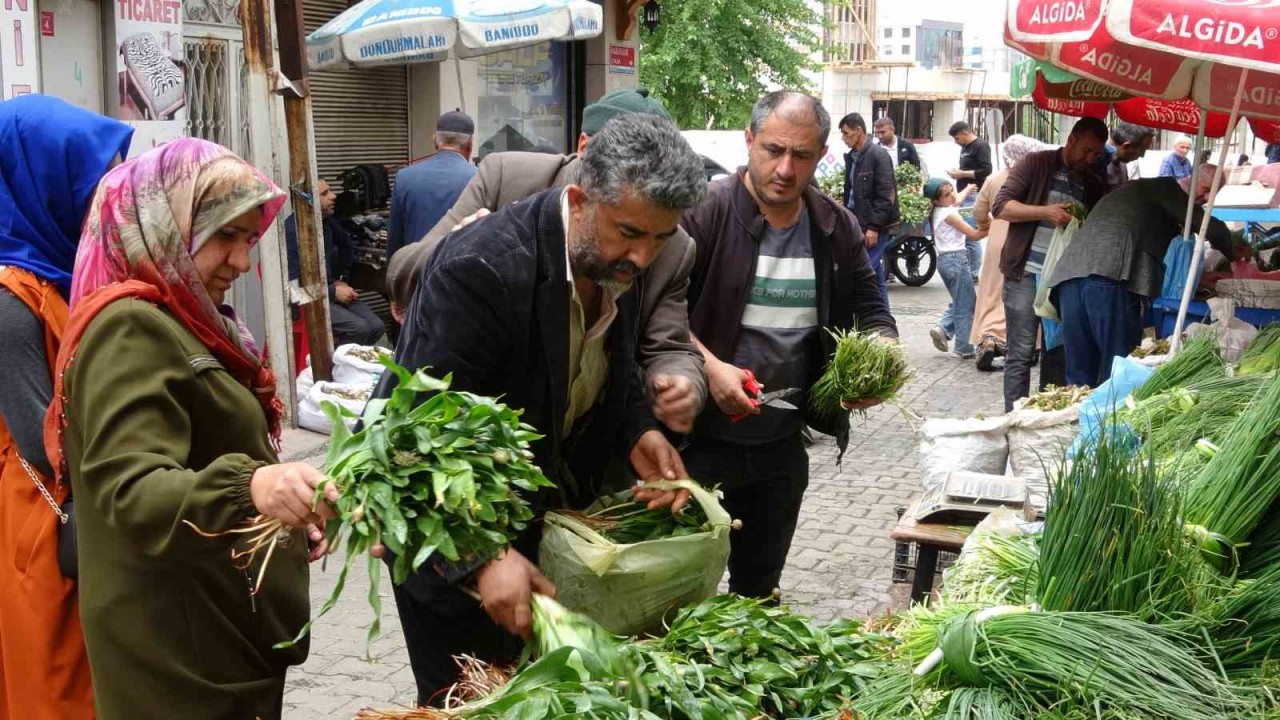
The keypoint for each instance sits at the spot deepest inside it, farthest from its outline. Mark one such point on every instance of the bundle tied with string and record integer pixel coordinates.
(1045, 659)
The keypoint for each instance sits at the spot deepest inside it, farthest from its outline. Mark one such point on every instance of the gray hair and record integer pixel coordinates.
(786, 102)
(645, 155)
(452, 139)
(1127, 132)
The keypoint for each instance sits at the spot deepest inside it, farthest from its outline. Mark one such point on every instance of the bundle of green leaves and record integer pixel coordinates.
(767, 656)
(864, 366)
(633, 522)
(443, 477)
(913, 207)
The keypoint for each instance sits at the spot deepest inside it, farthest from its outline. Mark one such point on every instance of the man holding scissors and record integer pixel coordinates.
(778, 265)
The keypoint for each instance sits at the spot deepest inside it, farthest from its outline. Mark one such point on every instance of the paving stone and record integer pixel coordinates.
(841, 559)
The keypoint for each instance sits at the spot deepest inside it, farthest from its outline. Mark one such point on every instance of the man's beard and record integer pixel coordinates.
(584, 255)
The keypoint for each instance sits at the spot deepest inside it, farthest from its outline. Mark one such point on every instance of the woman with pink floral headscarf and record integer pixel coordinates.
(165, 418)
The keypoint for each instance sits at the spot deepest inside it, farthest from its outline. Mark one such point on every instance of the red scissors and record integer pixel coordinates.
(772, 399)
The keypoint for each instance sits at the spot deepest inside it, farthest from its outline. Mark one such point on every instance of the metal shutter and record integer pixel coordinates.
(360, 116)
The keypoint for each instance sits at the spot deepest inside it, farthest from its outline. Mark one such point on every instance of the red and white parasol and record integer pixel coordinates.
(1221, 56)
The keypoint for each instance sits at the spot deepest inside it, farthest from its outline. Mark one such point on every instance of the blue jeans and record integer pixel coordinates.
(974, 250)
(876, 256)
(1101, 319)
(958, 318)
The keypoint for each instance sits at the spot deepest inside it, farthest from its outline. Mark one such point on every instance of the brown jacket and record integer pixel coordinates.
(504, 178)
(1029, 183)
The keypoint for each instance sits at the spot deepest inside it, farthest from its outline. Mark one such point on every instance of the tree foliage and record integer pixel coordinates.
(710, 60)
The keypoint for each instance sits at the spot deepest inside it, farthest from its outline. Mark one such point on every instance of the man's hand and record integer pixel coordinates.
(1057, 214)
(344, 293)
(287, 492)
(397, 312)
(653, 458)
(864, 404)
(725, 382)
(674, 402)
(506, 585)
(871, 237)
(956, 174)
(470, 219)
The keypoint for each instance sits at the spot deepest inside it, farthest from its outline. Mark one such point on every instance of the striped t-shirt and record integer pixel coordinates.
(1063, 190)
(779, 330)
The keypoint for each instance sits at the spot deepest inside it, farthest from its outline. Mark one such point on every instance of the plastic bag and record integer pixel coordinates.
(311, 413)
(973, 445)
(1177, 263)
(1038, 441)
(1233, 334)
(1058, 245)
(358, 365)
(1126, 376)
(306, 379)
(629, 589)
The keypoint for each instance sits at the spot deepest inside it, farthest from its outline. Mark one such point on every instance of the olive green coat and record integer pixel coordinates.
(158, 435)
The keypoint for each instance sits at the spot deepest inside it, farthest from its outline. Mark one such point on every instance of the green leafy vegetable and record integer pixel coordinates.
(864, 366)
(442, 477)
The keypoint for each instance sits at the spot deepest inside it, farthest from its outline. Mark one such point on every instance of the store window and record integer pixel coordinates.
(523, 100)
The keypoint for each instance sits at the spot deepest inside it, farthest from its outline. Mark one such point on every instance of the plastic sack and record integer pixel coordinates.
(305, 380)
(1038, 441)
(1057, 246)
(630, 589)
(1232, 333)
(358, 364)
(1126, 376)
(972, 445)
(1177, 263)
(311, 412)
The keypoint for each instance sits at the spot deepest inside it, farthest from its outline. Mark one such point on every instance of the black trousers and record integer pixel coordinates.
(355, 323)
(763, 487)
(440, 621)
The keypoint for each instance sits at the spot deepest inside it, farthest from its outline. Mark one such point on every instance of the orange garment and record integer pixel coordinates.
(44, 669)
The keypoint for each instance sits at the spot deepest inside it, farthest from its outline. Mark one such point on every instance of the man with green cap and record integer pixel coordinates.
(672, 364)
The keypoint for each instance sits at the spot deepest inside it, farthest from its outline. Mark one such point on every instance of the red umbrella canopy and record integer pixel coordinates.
(1170, 49)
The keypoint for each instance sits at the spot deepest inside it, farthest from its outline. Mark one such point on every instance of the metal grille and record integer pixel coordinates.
(246, 144)
(216, 12)
(208, 92)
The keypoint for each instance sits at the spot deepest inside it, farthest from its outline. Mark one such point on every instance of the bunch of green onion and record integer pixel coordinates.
(864, 366)
(1173, 420)
(1233, 492)
(1263, 353)
(1114, 538)
(1198, 359)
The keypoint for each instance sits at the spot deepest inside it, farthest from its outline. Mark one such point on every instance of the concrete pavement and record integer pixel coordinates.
(840, 563)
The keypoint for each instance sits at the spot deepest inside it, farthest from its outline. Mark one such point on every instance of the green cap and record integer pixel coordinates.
(618, 103)
(933, 187)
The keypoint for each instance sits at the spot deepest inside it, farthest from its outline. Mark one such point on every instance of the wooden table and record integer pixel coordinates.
(929, 538)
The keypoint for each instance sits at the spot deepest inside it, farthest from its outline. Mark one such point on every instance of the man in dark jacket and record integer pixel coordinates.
(870, 191)
(1035, 200)
(534, 304)
(351, 319)
(671, 362)
(900, 149)
(779, 263)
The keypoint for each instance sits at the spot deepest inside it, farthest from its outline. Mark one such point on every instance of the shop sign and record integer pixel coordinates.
(622, 60)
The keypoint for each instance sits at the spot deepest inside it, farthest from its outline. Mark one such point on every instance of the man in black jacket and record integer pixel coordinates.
(900, 149)
(352, 320)
(870, 191)
(778, 264)
(533, 303)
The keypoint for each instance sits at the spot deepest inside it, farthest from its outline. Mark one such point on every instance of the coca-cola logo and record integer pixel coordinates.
(1090, 90)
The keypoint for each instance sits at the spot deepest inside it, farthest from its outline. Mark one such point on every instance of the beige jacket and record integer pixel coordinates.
(503, 178)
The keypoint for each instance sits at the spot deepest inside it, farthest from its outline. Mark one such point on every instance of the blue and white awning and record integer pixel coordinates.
(381, 32)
